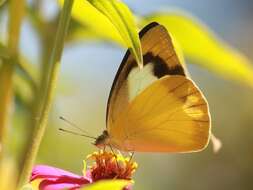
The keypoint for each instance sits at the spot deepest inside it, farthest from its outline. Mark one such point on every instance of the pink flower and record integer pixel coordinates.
(55, 179)
(105, 166)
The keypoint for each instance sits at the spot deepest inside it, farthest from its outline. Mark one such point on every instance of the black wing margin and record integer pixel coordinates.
(158, 50)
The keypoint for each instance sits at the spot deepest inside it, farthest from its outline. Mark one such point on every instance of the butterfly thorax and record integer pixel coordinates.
(102, 140)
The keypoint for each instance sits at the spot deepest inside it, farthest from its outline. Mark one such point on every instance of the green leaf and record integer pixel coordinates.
(123, 20)
(200, 45)
(107, 184)
(94, 21)
(111, 20)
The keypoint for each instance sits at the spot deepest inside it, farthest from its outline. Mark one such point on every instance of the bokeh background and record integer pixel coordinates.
(87, 72)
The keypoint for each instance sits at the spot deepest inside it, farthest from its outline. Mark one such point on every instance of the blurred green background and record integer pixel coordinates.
(87, 72)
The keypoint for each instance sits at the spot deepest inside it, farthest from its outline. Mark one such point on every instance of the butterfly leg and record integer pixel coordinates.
(131, 157)
(114, 155)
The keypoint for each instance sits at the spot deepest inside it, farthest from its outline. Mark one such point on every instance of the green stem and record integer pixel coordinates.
(6, 74)
(42, 29)
(46, 31)
(47, 101)
(16, 12)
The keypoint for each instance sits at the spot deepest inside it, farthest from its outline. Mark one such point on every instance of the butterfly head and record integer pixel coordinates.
(102, 140)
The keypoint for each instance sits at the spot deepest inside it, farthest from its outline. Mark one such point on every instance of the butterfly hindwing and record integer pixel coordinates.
(171, 115)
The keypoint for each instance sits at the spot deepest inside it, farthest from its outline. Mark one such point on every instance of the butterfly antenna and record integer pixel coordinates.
(75, 133)
(73, 125)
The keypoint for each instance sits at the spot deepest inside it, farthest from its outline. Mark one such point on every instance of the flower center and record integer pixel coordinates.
(110, 166)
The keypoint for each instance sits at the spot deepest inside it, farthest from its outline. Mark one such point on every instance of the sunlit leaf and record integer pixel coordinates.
(84, 34)
(94, 21)
(110, 20)
(121, 17)
(107, 184)
(200, 45)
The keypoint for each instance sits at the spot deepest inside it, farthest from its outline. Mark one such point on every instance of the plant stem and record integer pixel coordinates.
(54, 62)
(16, 12)
(46, 31)
(6, 74)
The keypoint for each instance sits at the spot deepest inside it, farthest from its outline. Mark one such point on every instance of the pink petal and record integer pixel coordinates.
(62, 183)
(58, 186)
(48, 172)
(88, 174)
(57, 179)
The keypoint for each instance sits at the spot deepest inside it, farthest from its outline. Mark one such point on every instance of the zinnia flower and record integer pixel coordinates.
(105, 165)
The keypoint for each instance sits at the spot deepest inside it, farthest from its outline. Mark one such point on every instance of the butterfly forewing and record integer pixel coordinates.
(160, 59)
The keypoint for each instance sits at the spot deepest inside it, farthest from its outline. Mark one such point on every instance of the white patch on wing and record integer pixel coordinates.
(138, 79)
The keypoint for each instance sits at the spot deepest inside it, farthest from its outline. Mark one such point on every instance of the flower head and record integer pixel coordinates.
(105, 165)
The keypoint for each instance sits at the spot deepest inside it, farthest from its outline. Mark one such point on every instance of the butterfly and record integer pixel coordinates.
(157, 108)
